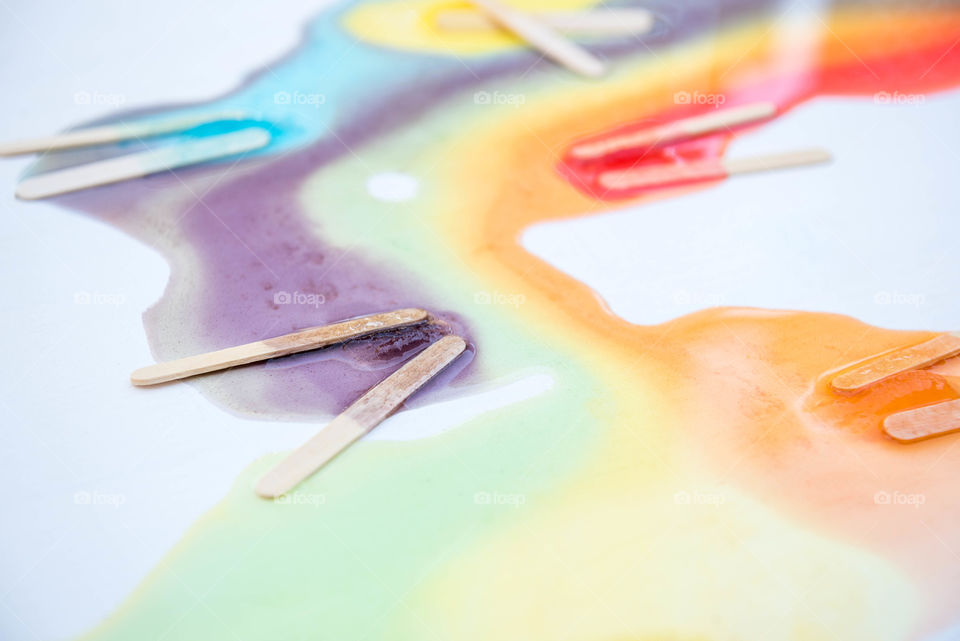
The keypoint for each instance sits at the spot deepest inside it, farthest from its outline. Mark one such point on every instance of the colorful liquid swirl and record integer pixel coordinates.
(690, 480)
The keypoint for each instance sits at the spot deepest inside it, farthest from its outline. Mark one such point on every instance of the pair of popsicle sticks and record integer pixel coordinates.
(135, 165)
(605, 22)
(543, 37)
(917, 424)
(656, 176)
(359, 418)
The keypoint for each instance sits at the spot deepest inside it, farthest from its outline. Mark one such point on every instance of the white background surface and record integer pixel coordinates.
(71, 423)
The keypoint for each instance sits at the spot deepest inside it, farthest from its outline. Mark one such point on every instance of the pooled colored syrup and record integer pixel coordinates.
(844, 78)
(585, 175)
(695, 479)
(257, 270)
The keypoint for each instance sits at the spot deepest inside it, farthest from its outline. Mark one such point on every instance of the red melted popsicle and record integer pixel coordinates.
(660, 152)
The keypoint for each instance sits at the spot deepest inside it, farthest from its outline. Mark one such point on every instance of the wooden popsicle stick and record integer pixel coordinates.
(752, 164)
(590, 22)
(114, 133)
(144, 163)
(543, 38)
(922, 423)
(685, 129)
(302, 341)
(919, 356)
(662, 175)
(361, 417)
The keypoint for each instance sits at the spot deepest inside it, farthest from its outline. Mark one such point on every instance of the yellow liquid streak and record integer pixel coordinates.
(413, 25)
